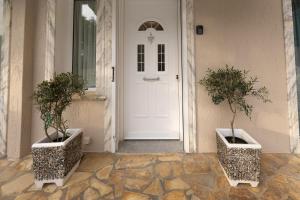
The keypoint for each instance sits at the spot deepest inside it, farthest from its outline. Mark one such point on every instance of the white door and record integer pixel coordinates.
(151, 69)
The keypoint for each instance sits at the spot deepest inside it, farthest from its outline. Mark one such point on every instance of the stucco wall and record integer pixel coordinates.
(1, 18)
(248, 35)
(21, 62)
(64, 36)
(38, 65)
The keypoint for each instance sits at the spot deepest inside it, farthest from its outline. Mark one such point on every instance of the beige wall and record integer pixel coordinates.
(38, 65)
(88, 115)
(1, 18)
(64, 36)
(21, 62)
(249, 35)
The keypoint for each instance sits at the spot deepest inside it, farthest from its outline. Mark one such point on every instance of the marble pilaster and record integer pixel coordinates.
(4, 76)
(104, 64)
(50, 39)
(291, 75)
(189, 75)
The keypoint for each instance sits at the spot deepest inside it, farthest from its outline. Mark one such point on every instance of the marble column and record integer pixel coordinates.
(291, 75)
(50, 39)
(189, 76)
(104, 64)
(4, 76)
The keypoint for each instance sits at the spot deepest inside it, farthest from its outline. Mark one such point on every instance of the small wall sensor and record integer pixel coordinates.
(86, 140)
(199, 30)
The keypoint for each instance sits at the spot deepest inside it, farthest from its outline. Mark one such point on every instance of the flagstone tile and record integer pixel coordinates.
(56, 196)
(134, 161)
(91, 194)
(241, 193)
(163, 169)
(176, 184)
(32, 196)
(101, 187)
(155, 188)
(175, 195)
(177, 169)
(294, 188)
(136, 184)
(117, 179)
(194, 165)
(145, 173)
(104, 173)
(218, 195)
(195, 198)
(25, 165)
(77, 177)
(4, 163)
(76, 189)
(8, 173)
(17, 185)
(49, 188)
(25, 196)
(134, 196)
(205, 180)
(95, 161)
(170, 157)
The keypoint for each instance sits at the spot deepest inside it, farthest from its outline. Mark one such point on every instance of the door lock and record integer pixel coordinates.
(177, 77)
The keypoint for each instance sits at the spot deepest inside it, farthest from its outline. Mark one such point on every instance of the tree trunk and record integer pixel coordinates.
(233, 110)
(48, 136)
(232, 126)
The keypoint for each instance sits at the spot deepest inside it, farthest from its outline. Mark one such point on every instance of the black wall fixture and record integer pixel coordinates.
(199, 30)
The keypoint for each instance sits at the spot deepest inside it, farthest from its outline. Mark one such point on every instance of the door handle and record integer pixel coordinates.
(151, 79)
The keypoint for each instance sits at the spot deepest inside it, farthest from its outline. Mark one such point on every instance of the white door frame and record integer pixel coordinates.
(168, 76)
(187, 76)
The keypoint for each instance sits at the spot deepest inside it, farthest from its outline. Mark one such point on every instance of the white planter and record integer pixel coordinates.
(240, 162)
(55, 162)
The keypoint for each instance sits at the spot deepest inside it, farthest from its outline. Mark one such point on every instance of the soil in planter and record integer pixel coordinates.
(237, 140)
(58, 140)
(61, 139)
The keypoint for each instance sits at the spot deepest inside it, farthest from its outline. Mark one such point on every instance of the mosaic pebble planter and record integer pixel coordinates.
(240, 162)
(56, 162)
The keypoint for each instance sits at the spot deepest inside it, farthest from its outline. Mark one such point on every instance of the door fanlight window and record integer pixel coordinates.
(151, 24)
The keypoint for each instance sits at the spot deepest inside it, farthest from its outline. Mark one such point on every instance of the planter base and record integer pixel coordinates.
(58, 182)
(234, 183)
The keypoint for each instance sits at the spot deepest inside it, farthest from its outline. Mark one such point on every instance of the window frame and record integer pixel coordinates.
(88, 89)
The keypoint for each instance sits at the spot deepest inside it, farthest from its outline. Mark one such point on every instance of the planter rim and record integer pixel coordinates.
(253, 144)
(73, 132)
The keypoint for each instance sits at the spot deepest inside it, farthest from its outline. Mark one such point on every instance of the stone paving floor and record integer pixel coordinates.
(156, 176)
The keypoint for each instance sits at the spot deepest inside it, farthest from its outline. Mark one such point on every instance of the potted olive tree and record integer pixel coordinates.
(56, 156)
(238, 152)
